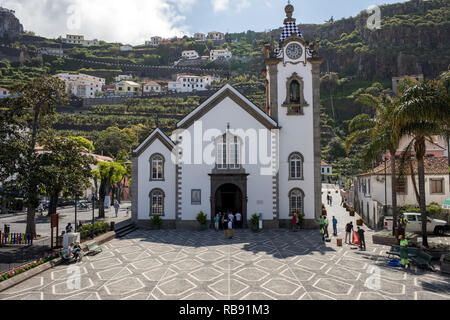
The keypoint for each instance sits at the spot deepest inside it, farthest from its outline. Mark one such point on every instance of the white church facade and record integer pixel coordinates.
(228, 155)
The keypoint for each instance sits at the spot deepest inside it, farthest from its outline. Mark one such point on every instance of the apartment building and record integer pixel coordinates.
(82, 85)
(217, 54)
(79, 39)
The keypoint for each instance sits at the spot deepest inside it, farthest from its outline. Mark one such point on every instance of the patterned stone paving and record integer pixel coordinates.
(273, 264)
(276, 264)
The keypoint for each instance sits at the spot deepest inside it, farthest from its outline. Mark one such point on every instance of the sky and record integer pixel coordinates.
(134, 21)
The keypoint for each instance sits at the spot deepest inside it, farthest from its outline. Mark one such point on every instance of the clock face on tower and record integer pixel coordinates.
(294, 51)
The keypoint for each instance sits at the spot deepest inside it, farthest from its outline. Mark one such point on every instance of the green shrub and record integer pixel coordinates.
(99, 228)
(201, 218)
(156, 221)
(254, 220)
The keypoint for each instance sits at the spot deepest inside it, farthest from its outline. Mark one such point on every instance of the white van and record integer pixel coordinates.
(435, 226)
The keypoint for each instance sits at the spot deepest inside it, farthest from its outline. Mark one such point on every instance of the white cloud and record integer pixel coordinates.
(242, 4)
(131, 21)
(220, 5)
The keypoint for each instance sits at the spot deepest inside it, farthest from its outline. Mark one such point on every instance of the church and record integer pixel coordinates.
(228, 155)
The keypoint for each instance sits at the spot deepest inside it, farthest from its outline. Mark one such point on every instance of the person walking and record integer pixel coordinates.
(335, 226)
(362, 241)
(348, 232)
(294, 222)
(216, 222)
(231, 218)
(238, 220)
(116, 207)
(331, 200)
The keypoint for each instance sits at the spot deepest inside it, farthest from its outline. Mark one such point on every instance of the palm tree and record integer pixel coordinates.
(381, 133)
(424, 111)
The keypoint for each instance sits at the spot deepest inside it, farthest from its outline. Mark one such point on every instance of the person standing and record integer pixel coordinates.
(331, 200)
(116, 207)
(231, 218)
(216, 222)
(362, 241)
(335, 226)
(348, 232)
(325, 226)
(69, 228)
(404, 251)
(238, 220)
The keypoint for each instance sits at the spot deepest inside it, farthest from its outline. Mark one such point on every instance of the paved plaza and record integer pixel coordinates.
(272, 264)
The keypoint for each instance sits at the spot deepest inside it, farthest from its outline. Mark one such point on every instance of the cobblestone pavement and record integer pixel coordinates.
(273, 264)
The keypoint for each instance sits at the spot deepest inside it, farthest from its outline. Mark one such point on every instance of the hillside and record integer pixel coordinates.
(414, 39)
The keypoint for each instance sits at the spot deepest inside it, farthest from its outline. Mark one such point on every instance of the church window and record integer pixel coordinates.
(296, 201)
(296, 166)
(156, 202)
(295, 92)
(228, 152)
(157, 167)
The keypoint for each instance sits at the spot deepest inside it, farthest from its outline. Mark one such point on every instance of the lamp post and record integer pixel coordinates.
(93, 214)
(76, 203)
(385, 185)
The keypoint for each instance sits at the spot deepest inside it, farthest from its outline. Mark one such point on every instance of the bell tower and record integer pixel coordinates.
(293, 100)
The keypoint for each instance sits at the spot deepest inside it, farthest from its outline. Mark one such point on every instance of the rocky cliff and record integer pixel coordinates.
(10, 27)
(414, 38)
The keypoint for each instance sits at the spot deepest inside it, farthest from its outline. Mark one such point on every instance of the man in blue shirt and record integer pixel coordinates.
(335, 226)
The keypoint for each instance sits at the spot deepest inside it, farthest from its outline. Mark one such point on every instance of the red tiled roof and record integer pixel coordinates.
(435, 165)
(324, 164)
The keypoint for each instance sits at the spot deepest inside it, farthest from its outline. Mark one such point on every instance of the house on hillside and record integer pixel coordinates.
(222, 54)
(79, 39)
(198, 36)
(215, 35)
(190, 55)
(128, 88)
(149, 87)
(154, 41)
(82, 85)
(190, 83)
(4, 93)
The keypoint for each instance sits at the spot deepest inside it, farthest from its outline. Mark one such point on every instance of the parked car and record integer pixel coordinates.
(65, 202)
(436, 226)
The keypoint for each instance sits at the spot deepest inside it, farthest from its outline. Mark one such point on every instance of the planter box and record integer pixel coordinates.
(352, 214)
(359, 222)
(6, 284)
(339, 242)
(390, 240)
(445, 266)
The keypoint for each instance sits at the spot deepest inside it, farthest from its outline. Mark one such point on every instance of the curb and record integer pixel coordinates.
(6, 284)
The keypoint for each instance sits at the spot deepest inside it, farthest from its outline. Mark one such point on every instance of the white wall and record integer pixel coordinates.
(259, 187)
(296, 135)
(145, 186)
(377, 191)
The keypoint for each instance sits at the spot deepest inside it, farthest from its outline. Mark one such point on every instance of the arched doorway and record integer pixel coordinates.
(228, 198)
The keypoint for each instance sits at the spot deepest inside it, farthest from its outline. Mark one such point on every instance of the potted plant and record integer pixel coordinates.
(445, 263)
(359, 222)
(201, 219)
(156, 222)
(352, 212)
(300, 218)
(254, 222)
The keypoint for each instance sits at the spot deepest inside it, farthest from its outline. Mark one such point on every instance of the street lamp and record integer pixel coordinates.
(385, 184)
(93, 213)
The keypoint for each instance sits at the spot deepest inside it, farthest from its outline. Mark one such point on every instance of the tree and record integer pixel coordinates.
(108, 173)
(39, 97)
(424, 112)
(382, 132)
(113, 140)
(66, 163)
